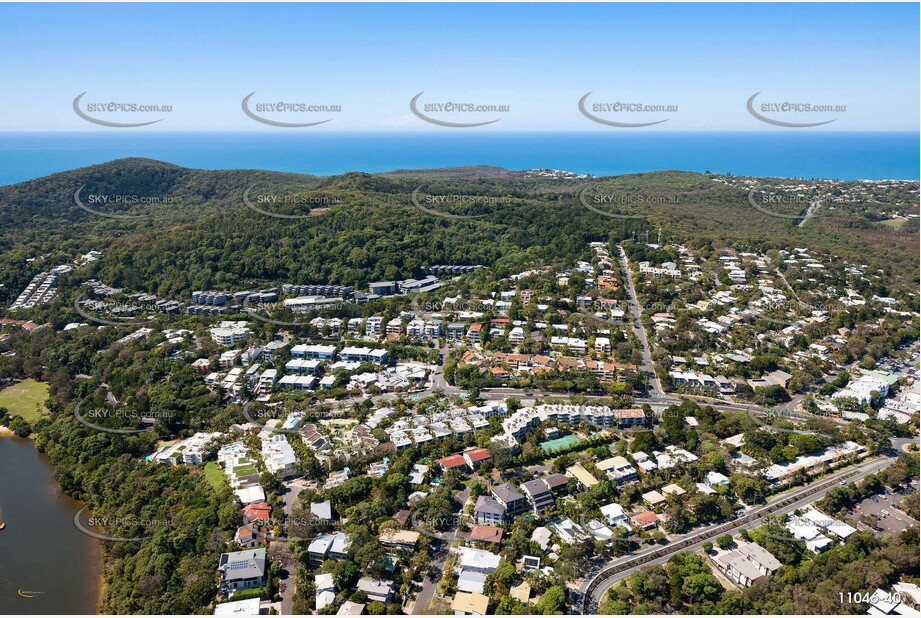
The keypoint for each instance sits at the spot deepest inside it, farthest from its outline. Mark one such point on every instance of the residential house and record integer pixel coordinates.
(715, 479)
(645, 519)
(246, 607)
(510, 498)
(539, 495)
(557, 483)
(582, 476)
(399, 539)
(351, 608)
(452, 462)
(618, 469)
(376, 589)
(673, 490)
(542, 537)
(325, 590)
(478, 560)
(243, 569)
(256, 512)
(614, 515)
(486, 534)
(488, 511)
(470, 604)
(471, 581)
(334, 546)
(653, 498)
(246, 536)
(475, 456)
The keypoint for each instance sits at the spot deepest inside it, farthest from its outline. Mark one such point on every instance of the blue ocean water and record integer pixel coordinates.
(819, 154)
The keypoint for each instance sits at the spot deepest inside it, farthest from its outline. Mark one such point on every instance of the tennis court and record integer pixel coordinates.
(557, 444)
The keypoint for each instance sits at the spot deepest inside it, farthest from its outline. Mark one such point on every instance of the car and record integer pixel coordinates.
(874, 499)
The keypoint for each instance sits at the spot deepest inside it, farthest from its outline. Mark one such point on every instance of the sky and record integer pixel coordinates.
(538, 59)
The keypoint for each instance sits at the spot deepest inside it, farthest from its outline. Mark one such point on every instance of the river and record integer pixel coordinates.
(42, 555)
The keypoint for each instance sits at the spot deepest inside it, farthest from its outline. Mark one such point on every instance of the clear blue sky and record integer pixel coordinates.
(537, 58)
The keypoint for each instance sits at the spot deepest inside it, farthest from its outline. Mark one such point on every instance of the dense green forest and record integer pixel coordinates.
(365, 227)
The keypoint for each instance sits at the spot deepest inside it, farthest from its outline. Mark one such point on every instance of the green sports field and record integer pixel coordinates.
(25, 399)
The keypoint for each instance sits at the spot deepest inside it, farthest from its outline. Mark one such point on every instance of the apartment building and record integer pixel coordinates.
(230, 332)
(363, 355)
(316, 352)
(373, 325)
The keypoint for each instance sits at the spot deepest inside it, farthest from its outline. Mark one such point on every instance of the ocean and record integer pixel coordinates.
(786, 153)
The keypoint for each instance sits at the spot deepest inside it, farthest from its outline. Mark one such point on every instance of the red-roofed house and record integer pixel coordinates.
(475, 456)
(567, 363)
(486, 534)
(607, 283)
(499, 372)
(25, 325)
(246, 537)
(645, 520)
(452, 462)
(518, 361)
(256, 511)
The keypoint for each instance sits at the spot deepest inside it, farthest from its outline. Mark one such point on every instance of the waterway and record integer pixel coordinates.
(46, 565)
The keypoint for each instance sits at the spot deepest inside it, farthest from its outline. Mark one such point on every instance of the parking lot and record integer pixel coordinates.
(884, 509)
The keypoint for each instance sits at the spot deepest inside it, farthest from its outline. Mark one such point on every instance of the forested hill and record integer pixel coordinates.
(354, 228)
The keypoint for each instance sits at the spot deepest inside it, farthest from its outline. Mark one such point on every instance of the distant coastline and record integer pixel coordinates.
(787, 154)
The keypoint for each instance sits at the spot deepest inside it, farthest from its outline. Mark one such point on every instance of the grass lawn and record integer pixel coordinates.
(22, 398)
(214, 475)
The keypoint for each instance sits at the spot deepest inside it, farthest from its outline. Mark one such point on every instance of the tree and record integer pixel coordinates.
(503, 577)
(747, 489)
(344, 574)
(701, 586)
(376, 608)
(724, 541)
(552, 601)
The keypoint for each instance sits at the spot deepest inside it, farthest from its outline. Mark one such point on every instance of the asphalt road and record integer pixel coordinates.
(647, 367)
(436, 568)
